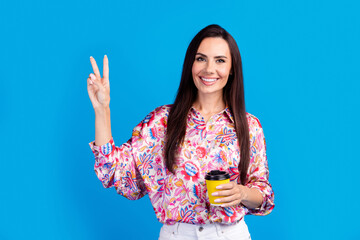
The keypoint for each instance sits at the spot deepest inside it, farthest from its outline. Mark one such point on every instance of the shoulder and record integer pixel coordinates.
(164, 109)
(159, 114)
(253, 122)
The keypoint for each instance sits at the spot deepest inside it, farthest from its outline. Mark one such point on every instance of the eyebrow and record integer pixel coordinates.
(201, 54)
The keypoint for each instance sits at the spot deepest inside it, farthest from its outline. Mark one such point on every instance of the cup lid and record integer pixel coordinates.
(217, 175)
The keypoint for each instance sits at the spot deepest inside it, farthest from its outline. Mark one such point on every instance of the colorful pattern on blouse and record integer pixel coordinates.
(137, 167)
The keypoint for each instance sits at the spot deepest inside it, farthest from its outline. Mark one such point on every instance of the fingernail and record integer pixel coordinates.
(91, 82)
(214, 194)
(92, 76)
(217, 200)
(91, 57)
(218, 187)
(223, 205)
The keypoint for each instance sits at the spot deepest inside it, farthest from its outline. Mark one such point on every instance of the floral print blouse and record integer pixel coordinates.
(137, 167)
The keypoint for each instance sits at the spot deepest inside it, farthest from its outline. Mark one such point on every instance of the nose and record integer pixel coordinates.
(210, 67)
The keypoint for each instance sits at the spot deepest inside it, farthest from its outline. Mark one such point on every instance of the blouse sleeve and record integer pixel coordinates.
(116, 166)
(258, 173)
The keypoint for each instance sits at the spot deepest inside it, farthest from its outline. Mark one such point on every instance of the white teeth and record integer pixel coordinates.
(209, 79)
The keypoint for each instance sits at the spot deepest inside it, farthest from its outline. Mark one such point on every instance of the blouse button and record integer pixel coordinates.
(200, 229)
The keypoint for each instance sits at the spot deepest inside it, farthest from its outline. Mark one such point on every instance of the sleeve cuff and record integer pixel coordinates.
(105, 149)
(267, 205)
(262, 206)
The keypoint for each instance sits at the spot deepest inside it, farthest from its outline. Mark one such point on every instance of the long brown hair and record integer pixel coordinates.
(233, 94)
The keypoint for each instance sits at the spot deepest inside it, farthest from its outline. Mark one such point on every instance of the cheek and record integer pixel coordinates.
(195, 69)
(224, 71)
(224, 74)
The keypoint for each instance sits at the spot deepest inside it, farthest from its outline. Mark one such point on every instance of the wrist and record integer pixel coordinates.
(102, 111)
(252, 198)
(245, 191)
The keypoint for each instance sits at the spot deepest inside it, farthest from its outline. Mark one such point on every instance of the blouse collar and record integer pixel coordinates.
(225, 112)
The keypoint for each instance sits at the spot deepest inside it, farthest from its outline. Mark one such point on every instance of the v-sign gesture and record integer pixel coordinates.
(99, 87)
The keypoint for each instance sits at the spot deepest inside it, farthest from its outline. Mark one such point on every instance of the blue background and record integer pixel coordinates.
(301, 71)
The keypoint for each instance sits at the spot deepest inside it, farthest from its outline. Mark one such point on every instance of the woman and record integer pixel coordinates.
(173, 148)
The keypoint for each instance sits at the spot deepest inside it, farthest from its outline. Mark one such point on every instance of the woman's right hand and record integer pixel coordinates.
(99, 88)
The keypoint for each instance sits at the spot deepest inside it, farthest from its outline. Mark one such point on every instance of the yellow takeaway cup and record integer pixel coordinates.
(213, 179)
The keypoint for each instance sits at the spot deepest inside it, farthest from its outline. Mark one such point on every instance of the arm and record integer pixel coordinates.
(102, 126)
(252, 197)
(257, 195)
(114, 166)
(258, 172)
(99, 94)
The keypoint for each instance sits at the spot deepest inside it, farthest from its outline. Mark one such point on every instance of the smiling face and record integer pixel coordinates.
(212, 66)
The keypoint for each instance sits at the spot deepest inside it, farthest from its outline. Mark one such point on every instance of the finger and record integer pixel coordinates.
(92, 89)
(229, 185)
(91, 86)
(89, 81)
(227, 199)
(224, 193)
(95, 67)
(95, 80)
(230, 204)
(106, 67)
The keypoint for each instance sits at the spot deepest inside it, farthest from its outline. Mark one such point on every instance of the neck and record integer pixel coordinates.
(210, 103)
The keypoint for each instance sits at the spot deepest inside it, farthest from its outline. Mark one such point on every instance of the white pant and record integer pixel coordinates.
(185, 231)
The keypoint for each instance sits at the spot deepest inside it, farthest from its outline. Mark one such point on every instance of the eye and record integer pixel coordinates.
(200, 59)
(220, 60)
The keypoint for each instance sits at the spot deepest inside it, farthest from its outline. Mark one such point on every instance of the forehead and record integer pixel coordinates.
(214, 46)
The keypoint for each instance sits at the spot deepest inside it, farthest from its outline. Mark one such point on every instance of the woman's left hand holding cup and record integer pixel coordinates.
(231, 194)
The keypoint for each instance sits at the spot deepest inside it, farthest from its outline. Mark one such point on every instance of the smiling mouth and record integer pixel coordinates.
(208, 80)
